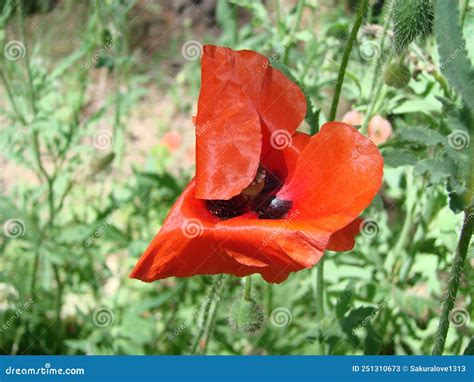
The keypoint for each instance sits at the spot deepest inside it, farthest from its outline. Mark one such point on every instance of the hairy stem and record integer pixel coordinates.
(205, 316)
(248, 288)
(454, 280)
(345, 58)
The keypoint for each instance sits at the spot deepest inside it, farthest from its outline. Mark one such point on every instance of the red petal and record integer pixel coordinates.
(336, 178)
(344, 239)
(192, 242)
(242, 100)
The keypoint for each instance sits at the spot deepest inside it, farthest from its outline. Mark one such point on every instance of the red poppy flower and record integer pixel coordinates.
(265, 199)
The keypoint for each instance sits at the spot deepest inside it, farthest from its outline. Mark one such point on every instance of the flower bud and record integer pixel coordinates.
(410, 19)
(246, 316)
(397, 75)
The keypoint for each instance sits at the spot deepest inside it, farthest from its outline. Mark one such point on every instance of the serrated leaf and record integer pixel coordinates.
(438, 170)
(399, 157)
(454, 62)
(421, 135)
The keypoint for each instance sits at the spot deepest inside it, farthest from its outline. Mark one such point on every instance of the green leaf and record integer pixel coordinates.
(344, 303)
(470, 348)
(399, 157)
(356, 319)
(421, 135)
(438, 170)
(454, 62)
(373, 342)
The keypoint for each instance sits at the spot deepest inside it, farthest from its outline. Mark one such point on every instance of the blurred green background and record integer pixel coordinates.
(97, 142)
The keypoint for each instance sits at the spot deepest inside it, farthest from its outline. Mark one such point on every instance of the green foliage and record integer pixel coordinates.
(410, 19)
(246, 316)
(80, 207)
(397, 75)
(454, 61)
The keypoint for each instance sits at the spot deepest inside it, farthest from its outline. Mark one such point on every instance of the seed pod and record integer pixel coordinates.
(246, 316)
(397, 75)
(410, 19)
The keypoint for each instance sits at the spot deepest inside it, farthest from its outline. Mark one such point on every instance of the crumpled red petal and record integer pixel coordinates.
(192, 241)
(338, 174)
(242, 100)
(344, 239)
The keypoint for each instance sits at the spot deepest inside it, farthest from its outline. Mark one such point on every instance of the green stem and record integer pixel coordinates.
(205, 316)
(268, 299)
(345, 58)
(332, 115)
(320, 290)
(248, 288)
(294, 28)
(465, 10)
(454, 279)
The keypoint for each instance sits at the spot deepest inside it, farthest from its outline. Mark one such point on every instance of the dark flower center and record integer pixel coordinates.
(259, 197)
